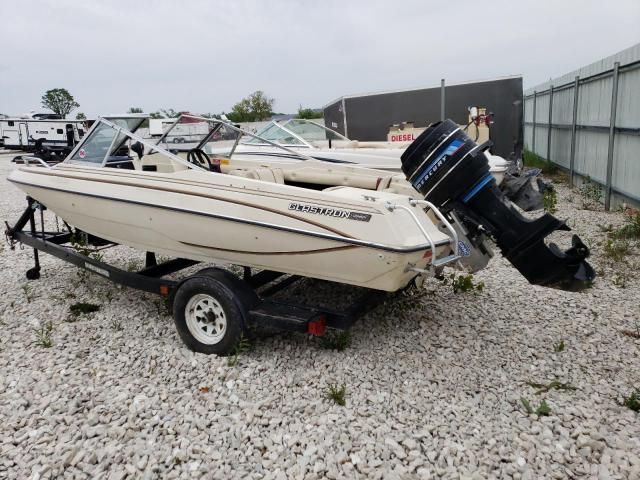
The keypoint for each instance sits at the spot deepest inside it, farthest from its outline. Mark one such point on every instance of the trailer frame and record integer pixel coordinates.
(268, 313)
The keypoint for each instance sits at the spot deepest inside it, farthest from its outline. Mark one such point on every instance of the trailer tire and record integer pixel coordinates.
(209, 316)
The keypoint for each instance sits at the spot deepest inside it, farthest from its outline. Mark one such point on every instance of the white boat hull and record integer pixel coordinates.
(220, 218)
(384, 159)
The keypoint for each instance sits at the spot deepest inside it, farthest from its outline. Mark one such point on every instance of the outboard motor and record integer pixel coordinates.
(452, 172)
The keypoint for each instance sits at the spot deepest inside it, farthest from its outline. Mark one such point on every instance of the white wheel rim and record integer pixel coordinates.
(206, 319)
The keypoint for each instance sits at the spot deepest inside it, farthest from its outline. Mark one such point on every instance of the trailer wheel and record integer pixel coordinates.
(209, 317)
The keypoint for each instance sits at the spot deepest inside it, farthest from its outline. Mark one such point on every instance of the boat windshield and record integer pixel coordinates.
(295, 133)
(219, 137)
(103, 139)
(275, 133)
(118, 141)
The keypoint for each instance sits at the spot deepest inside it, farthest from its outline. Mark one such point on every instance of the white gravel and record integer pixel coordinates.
(433, 383)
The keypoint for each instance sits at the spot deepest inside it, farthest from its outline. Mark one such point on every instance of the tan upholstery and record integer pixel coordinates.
(272, 175)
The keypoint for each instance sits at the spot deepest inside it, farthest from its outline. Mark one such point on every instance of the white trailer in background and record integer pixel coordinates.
(181, 133)
(28, 133)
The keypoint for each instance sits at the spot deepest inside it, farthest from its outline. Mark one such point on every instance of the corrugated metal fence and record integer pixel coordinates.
(588, 122)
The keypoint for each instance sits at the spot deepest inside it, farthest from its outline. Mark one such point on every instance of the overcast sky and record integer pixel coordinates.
(203, 56)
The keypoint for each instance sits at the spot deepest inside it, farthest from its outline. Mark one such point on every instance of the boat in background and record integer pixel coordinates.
(320, 142)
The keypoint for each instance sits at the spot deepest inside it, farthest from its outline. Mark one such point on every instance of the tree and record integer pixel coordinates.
(81, 116)
(253, 108)
(156, 115)
(171, 113)
(308, 113)
(135, 110)
(60, 101)
(261, 105)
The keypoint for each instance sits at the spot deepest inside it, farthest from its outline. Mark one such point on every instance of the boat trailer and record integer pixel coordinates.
(250, 302)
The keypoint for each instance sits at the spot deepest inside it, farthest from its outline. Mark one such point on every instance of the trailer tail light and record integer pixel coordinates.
(164, 289)
(427, 254)
(317, 327)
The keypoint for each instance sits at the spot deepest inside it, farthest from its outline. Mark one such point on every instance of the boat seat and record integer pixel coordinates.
(265, 174)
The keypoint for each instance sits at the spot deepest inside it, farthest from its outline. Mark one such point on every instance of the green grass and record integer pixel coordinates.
(336, 340)
(28, 291)
(243, 346)
(534, 160)
(550, 200)
(543, 410)
(43, 335)
(465, 283)
(617, 249)
(591, 193)
(337, 393)
(633, 400)
(554, 385)
(630, 230)
(559, 347)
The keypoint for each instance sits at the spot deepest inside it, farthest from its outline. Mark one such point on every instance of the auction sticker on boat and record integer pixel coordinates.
(82, 153)
(330, 212)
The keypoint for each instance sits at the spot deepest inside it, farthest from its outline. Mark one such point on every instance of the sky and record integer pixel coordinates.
(204, 56)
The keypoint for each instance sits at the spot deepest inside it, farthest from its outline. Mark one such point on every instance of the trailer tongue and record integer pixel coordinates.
(452, 172)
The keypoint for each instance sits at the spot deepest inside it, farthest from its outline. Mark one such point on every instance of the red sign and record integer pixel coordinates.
(403, 137)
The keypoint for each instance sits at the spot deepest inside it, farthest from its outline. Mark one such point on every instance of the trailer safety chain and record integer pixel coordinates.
(8, 236)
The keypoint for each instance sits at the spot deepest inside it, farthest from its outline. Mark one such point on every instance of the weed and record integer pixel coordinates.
(554, 385)
(543, 409)
(82, 307)
(337, 393)
(79, 243)
(534, 160)
(630, 230)
(116, 324)
(633, 333)
(337, 341)
(98, 257)
(617, 250)
(464, 283)
(28, 291)
(633, 400)
(550, 200)
(559, 347)
(162, 306)
(243, 346)
(108, 294)
(591, 194)
(43, 335)
(133, 265)
(619, 280)
(527, 406)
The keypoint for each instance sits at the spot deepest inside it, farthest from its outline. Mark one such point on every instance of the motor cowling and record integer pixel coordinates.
(451, 171)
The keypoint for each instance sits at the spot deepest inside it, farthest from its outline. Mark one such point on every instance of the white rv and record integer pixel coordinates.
(181, 133)
(27, 133)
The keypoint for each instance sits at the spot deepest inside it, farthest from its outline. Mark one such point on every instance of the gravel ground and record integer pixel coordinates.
(433, 382)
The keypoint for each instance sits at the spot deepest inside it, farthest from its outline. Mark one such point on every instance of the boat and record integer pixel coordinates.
(320, 142)
(311, 218)
(348, 232)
